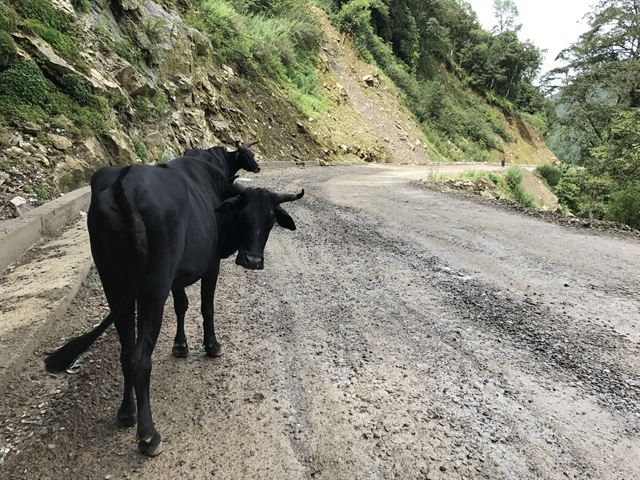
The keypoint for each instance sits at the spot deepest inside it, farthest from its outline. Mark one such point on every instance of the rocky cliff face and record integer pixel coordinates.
(158, 90)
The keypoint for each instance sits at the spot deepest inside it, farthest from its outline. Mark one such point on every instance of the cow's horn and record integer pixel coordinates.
(279, 198)
(238, 144)
(251, 144)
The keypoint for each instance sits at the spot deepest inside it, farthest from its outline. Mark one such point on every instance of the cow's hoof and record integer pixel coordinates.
(151, 447)
(214, 350)
(180, 350)
(126, 419)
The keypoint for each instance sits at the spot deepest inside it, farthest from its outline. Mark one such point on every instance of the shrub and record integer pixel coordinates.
(8, 17)
(624, 206)
(514, 184)
(24, 82)
(140, 148)
(7, 50)
(81, 5)
(550, 173)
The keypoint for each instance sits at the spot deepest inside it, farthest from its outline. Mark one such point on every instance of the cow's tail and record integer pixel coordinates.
(62, 358)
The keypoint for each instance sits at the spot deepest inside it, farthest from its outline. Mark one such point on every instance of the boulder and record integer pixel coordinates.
(95, 150)
(372, 80)
(20, 206)
(227, 72)
(15, 152)
(118, 146)
(59, 142)
(102, 84)
(31, 128)
(132, 81)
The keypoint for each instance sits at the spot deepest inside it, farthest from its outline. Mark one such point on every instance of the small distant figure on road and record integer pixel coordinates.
(503, 163)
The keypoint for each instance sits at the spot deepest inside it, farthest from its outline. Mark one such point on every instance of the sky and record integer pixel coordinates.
(550, 24)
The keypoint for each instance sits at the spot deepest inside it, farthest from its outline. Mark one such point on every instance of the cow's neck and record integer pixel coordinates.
(233, 164)
(229, 235)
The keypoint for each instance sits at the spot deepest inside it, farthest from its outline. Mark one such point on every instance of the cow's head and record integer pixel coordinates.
(245, 156)
(255, 211)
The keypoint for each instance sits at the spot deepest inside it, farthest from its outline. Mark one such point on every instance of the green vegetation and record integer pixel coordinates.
(56, 27)
(279, 40)
(27, 95)
(140, 148)
(551, 174)
(448, 68)
(150, 107)
(81, 5)
(598, 116)
(513, 181)
(624, 206)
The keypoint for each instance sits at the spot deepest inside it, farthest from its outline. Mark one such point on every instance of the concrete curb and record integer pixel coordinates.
(20, 234)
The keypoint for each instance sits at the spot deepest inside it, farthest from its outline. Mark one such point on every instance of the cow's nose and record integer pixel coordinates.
(256, 261)
(256, 169)
(250, 261)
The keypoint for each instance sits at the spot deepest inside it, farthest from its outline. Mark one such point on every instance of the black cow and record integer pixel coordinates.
(230, 162)
(158, 229)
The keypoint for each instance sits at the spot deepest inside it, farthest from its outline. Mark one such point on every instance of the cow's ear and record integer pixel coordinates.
(230, 205)
(284, 219)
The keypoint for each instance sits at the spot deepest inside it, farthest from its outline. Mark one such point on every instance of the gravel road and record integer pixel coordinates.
(399, 333)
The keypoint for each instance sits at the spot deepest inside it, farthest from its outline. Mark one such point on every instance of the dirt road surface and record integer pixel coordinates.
(399, 333)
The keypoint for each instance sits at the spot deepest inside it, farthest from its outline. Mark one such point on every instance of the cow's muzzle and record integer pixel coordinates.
(256, 169)
(250, 261)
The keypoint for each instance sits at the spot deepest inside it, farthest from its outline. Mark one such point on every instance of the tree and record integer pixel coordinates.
(599, 110)
(506, 13)
(601, 77)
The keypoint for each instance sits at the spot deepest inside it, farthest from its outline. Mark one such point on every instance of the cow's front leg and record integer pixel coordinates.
(207, 293)
(180, 304)
(150, 308)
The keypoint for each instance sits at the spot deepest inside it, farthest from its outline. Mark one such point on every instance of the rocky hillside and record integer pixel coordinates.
(89, 83)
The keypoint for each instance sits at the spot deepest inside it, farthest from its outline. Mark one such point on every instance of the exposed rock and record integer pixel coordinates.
(31, 128)
(301, 128)
(222, 130)
(28, 147)
(95, 150)
(40, 49)
(128, 5)
(3, 177)
(59, 142)
(101, 83)
(227, 72)
(64, 5)
(118, 145)
(200, 41)
(62, 121)
(73, 163)
(132, 81)
(42, 159)
(20, 206)
(371, 80)
(15, 152)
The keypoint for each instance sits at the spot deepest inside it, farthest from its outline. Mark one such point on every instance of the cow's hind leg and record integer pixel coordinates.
(180, 304)
(126, 331)
(150, 308)
(207, 294)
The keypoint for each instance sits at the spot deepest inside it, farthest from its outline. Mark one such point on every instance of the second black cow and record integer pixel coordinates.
(158, 229)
